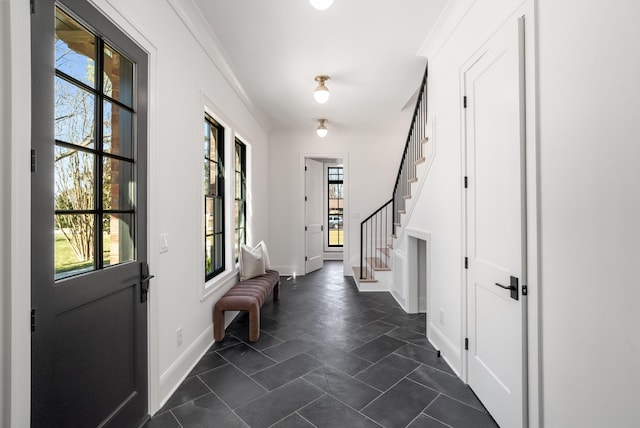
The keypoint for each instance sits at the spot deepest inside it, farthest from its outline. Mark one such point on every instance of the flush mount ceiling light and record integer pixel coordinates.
(321, 4)
(321, 94)
(322, 130)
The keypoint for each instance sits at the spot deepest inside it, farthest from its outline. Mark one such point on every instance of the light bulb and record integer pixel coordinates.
(322, 130)
(321, 4)
(321, 94)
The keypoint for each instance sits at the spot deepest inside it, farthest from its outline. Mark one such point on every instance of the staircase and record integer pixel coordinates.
(381, 229)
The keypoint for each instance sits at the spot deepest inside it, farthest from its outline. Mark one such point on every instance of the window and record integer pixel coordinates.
(213, 197)
(336, 206)
(95, 195)
(240, 208)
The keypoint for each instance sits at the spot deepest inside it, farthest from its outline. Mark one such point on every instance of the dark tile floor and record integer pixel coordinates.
(328, 356)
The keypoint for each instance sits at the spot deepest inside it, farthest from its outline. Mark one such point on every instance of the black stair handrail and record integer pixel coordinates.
(406, 174)
(421, 95)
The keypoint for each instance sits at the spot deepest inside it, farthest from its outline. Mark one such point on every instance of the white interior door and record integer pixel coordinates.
(313, 215)
(496, 226)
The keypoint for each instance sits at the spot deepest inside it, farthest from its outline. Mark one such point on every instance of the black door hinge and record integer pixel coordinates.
(321, 228)
(464, 101)
(306, 228)
(305, 199)
(466, 182)
(525, 290)
(305, 168)
(33, 320)
(33, 160)
(466, 343)
(33, 7)
(306, 258)
(466, 262)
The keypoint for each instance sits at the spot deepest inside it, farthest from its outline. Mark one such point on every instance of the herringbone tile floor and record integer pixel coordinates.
(328, 356)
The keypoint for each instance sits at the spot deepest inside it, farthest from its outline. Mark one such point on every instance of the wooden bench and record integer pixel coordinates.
(247, 295)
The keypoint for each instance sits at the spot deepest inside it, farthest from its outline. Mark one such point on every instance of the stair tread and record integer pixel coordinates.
(419, 161)
(407, 196)
(377, 263)
(385, 250)
(368, 275)
(413, 180)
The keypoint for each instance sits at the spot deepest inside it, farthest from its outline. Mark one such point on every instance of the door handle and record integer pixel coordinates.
(504, 286)
(144, 282)
(513, 286)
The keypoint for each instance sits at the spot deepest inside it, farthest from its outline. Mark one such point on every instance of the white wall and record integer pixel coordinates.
(589, 211)
(182, 76)
(587, 199)
(438, 207)
(371, 165)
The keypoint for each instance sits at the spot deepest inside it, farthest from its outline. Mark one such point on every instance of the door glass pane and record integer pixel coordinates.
(336, 207)
(117, 130)
(118, 76)
(74, 186)
(74, 114)
(118, 185)
(118, 245)
(75, 49)
(74, 244)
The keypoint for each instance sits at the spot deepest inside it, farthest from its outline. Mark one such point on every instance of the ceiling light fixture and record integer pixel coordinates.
(322, 130)
(321, 94)
(321, 4)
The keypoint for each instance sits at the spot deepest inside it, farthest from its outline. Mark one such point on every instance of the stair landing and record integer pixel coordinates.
(368, 275)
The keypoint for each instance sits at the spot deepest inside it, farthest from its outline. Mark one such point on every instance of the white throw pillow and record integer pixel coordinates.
(265, 255)
(251, 262)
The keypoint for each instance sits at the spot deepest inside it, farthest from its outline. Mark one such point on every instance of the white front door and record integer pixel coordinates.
(495, 211)
(313, 215)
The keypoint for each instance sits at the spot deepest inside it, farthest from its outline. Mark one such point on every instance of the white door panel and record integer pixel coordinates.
(495, 224)
(313, 215)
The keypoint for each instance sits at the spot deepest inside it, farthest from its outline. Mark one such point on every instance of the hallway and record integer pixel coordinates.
(327, 356)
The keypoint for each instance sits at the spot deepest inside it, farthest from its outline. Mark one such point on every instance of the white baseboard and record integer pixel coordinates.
(332, 255)
(370, 286)
(448, 350)
(173, 377)
(396, 295)
(287, 270)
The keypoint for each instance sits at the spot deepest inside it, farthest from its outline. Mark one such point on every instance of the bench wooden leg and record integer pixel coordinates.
(254, 323)
(276, 291)
(218, 324)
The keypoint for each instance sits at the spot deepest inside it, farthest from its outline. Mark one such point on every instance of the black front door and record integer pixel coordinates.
(88, 220)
